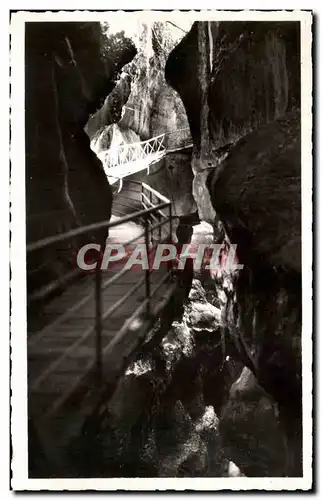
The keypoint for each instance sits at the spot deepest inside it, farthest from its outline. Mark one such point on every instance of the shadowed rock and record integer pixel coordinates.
(257, 193)
(243, 89)
(67, 79)
(235, 76)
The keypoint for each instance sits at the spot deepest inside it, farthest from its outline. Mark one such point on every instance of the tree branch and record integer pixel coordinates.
(170, 22)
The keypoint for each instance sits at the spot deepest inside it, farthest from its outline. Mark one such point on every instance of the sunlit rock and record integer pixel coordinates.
(204, 317)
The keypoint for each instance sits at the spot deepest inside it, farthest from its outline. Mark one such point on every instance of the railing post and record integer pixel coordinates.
(159, 215)
(98, 323)
(170, 222)
(147, 271)
(171, 239)
(151, 206)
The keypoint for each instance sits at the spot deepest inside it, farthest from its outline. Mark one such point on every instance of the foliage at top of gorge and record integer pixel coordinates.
(142, 100)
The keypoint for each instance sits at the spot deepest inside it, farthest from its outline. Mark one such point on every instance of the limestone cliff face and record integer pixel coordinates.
(262, 66)
(67, 80)
(242, 101)
(141, 100)
(110, 112)
(112, 136)
(153, 107)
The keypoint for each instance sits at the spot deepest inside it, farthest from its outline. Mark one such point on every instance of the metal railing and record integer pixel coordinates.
(155, 216)
(145, 150)
(132, 152)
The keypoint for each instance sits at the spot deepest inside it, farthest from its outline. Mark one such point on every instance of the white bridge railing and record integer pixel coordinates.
(127, 159)
(132, 152)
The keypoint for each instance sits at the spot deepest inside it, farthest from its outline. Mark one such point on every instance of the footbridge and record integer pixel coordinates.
(127, 159)
(86, 335)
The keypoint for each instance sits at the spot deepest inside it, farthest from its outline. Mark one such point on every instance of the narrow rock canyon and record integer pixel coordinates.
(219, 394)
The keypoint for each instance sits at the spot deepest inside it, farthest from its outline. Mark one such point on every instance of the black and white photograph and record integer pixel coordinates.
(161, 250)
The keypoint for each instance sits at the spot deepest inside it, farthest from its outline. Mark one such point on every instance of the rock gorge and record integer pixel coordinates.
(145, 106)
(220, 395)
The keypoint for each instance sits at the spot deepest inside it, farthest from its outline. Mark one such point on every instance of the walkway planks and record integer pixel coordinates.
(61, 355)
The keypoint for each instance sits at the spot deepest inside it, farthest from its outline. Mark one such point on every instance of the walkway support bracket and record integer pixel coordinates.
(147, 271)
(98, 324)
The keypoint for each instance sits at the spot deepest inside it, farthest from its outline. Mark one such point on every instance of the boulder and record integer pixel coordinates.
(256, 192)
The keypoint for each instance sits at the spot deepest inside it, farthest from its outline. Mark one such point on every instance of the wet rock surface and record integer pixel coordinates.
(250, 432)
(254, 190)
(185, 411)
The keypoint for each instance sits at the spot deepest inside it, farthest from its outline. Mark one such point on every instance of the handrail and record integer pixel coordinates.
(149, 149)
(139, 192)
(146, 141)
(157, 211)
(127, 152)
(91, 227)
(159, 195)
(90, 366)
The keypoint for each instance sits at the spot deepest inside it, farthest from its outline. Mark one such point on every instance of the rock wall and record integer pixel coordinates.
(180, 408)
(232, 78)
(112, 136)
(266, 227)
(262, 61)
(141, 100)
(248, 75)
(109, 113)
(257, 193)
(153, 107)
(242, 101)
(67, 80)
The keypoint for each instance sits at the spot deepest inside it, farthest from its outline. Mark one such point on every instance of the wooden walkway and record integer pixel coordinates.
(61, 355)
(82, 339)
